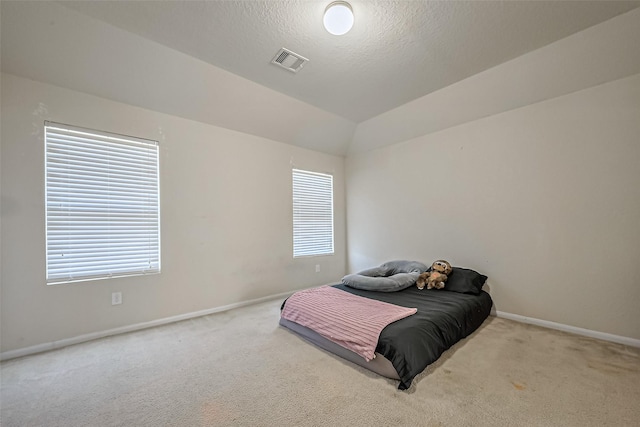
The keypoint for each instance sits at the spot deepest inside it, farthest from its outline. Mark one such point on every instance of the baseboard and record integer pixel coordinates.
(631, 342)
(26, 351)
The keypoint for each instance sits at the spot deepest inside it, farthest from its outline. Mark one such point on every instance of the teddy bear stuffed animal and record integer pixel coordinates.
(436, 276)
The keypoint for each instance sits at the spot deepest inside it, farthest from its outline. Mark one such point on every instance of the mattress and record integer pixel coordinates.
(406, 347)
(380, 364)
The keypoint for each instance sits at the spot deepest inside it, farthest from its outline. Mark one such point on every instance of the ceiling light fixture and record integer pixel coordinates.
(338, 18)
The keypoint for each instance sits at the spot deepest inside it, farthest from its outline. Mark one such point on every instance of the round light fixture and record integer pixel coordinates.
(338, 18)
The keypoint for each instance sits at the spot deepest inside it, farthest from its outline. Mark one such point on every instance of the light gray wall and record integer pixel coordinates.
(550, 186)
(544, 199)
(226, 218)
(48, 42)
(599, 54)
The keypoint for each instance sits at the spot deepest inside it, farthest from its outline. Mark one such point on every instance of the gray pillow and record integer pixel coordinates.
(393, 283)
(389, 277)
(402, 266)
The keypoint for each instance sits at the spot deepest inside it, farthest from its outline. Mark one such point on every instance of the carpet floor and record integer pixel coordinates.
(240, 368)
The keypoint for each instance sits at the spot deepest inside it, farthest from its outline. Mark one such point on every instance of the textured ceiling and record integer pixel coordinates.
(396, 52)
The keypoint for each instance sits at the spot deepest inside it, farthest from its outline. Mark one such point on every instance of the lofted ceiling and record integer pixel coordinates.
(396, 52)
(407, 68)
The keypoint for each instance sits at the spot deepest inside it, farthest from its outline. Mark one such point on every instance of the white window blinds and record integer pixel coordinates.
(102, 204)
(312, 213)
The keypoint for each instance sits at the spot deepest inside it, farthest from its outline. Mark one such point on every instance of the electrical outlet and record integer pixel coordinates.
(116, 298)
(317, 268)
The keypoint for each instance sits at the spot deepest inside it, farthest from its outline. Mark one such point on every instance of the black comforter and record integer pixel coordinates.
(443, 318)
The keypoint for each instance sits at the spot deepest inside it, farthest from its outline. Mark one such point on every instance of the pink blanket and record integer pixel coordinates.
(348, 320)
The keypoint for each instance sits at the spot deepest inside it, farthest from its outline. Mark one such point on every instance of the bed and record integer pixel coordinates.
(407, 346)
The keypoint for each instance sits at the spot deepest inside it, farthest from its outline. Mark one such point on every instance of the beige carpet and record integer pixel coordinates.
(241, 368)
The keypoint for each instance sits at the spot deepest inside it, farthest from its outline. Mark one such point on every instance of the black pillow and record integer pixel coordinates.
(465, 281)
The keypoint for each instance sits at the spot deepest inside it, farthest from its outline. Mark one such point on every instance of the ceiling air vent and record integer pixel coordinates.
(289, 60)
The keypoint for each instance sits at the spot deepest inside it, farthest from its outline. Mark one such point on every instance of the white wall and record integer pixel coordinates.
(226, 215)
(544, 199)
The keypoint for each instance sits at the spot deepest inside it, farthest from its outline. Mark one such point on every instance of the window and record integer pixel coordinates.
(312, 213)
(102, 204)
